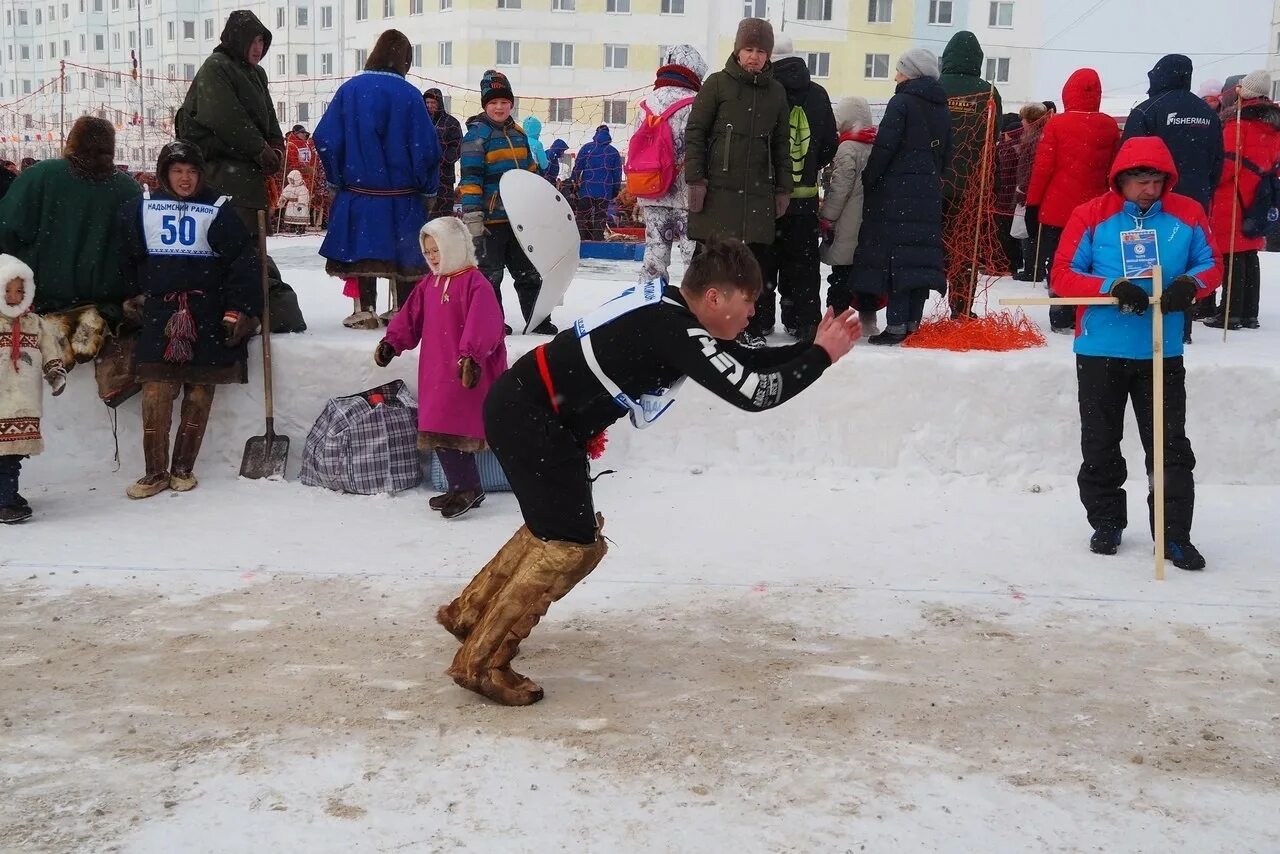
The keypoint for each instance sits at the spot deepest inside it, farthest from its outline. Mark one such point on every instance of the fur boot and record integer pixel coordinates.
(461, 615)
(546, 572)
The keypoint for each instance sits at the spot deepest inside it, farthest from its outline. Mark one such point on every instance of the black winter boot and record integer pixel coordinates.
(1105, 540)
(1184, 555)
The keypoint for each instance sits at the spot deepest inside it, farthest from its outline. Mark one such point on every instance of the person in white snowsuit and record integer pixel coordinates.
(666, 219)
(30, 350)
(296, 201)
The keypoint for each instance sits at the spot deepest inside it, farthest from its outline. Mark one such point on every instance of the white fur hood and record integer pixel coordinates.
(457, 249)
(14, 268)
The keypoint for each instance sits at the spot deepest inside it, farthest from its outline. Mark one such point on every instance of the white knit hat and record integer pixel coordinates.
(783, 47)
(1256, 84)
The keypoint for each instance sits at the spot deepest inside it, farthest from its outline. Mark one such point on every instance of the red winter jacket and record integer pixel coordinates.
(1260, 142)
(1075, 152)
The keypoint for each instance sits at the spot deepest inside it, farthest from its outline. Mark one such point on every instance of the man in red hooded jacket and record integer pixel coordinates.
(1071, 165)
(1108, 248)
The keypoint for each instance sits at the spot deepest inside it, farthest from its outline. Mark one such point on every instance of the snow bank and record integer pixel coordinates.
(1001, 416)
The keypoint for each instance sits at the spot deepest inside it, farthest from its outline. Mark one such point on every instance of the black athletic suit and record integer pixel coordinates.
(544, 453)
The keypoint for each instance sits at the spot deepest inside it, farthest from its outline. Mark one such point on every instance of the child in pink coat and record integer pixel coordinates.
(454, 315)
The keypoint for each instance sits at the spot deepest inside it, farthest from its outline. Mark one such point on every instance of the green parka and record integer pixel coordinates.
(66, 228)
(228, 113)
(738, 142)
(967, 100)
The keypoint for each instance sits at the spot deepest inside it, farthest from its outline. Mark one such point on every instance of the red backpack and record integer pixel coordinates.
(651, 155)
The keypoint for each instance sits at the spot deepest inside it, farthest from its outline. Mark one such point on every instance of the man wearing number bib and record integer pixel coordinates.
(1109, 248)
(547, 414)
(189, 255)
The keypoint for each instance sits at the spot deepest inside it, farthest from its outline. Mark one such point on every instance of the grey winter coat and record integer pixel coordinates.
(738, 143)
(842, 200)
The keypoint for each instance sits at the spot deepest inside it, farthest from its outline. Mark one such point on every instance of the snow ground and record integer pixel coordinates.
(866, 621)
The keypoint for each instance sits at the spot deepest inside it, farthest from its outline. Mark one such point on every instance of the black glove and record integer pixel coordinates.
(468, 372)
(1132, 299)
(1180, 294)
(236, 328)
(269, 160)
(383, 354)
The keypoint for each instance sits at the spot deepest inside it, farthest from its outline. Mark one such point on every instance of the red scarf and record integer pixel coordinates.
(15, 341)
(677, 75)
(867, 135)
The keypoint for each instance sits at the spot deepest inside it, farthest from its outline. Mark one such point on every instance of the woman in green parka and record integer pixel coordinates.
(228, 114)
(737, 154)
(60, 217)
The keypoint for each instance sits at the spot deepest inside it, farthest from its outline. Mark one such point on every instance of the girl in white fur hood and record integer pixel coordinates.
(30, 349)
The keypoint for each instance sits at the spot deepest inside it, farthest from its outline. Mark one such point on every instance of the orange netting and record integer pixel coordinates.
(975, 257)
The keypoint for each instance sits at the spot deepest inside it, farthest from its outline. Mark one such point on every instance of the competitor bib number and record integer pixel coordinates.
(178, 228)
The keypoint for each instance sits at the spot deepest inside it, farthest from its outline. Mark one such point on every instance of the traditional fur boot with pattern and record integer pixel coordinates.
(460, 615)
(547, 570)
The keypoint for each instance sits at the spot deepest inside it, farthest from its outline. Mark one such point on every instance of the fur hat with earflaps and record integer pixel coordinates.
(391, 52)
(495, 85)
(91, 148)
(754, 32)
(457, 249)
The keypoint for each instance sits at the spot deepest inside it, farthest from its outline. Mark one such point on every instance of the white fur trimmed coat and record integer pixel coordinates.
(39, 357)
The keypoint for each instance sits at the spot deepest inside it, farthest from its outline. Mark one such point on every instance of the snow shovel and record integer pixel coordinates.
(265, 456)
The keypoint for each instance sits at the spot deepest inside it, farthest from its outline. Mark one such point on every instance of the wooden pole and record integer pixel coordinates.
(1235, 208)
(1157, 413)
(1035, 271)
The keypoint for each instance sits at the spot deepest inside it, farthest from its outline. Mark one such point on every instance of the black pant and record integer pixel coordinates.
(797, 272)
(1060, 316)
(766, 304)
(906, 307)
(1036, 271)
(10, 468)
(499, 249)
(547, 468)
(1010, 244)
(595, 214)
(1105, 384)
(1246, 282)
(840, 296)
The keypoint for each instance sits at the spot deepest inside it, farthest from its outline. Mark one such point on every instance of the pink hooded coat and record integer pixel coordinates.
(451, 315)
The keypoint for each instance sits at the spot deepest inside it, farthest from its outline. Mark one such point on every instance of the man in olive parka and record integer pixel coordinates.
(967, 100)
(228, 113)
(737, 154)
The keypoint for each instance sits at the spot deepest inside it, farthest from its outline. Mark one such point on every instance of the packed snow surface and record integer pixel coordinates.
(866, 621)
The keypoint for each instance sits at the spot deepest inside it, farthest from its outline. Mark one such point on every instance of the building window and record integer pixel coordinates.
(508, 52)
(564, 5)
(561, 110)
(877, 66)
(508, 4)
(304, 112)
(444, 54)
(615, 112)
(22, 14)
(148, 38)
(615, 56)
(66, 11)
(561, 55)
(66, 47)
(24, 51)
(282, 111)
(302, 62)
(99, 43)
(878, 11)
(415, 7)
(133, 42)
(388, 8)
(324, 107)
(446, 5)
(115, 41)
(302, 16)
(617, 7)
(326, 64)
(940, 12)
(189, 31)
(326, 17)
(819, 64)
(417, 56)
(1001, 15)
(172, 72)
(1275, 90)
(39, 21)
(40, 52)
(362, 10)
(362, 56)
(189, 71)
(673, 7)
(997, 69)
(169, 30)
(281, 65)
(26, 90)
(813, 10)
(208, 28)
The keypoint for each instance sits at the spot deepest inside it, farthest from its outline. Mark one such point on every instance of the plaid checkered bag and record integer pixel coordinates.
(358, 447)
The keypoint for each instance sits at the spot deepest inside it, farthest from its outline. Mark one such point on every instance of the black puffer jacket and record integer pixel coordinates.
(820, 149)
(900, 244)
(1191, 130)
